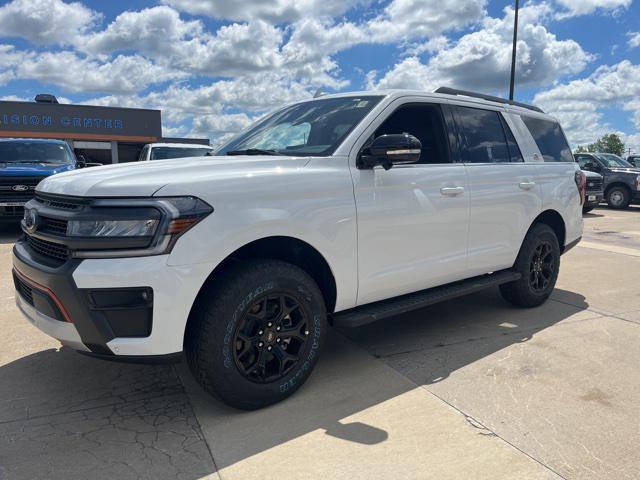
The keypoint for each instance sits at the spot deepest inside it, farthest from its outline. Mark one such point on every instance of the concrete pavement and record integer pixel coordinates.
(467, 389)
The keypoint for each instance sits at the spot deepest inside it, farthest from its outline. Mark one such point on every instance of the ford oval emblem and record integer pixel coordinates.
(20, 188)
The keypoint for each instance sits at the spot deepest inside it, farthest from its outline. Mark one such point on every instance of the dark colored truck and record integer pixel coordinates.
(594, 190)
(23, 163)
(621, 179)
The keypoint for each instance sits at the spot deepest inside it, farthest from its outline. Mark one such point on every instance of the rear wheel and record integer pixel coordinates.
(255, 338)
(586, 209)
(618, 197)
(538, 262)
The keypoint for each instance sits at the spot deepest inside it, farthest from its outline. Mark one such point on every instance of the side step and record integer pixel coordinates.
(372, 312)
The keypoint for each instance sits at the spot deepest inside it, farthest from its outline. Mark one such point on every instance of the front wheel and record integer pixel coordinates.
(618, 197)
(538, 262)
(255, 337)
(586, 209)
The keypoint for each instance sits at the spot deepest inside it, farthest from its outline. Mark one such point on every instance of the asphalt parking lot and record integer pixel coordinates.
(471, 388)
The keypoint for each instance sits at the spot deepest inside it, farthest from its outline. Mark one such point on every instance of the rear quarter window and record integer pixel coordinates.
(550, 139)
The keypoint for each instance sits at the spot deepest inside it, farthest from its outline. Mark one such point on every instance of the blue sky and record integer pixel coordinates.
(213, 66)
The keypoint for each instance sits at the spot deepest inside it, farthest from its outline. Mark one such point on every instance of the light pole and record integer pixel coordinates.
(513, 51)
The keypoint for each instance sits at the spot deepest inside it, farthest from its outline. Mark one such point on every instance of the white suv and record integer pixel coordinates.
(338, 210)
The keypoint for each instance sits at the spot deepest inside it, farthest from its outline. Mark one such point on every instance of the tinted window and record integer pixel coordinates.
(316, 127)
(514, 149)
(164, 153)
(550, 139)
(425, 122)
(583, 160)
(614, 161)
(482, 132)
(34, 152)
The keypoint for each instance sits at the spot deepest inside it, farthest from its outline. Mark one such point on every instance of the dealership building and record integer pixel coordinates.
(102, 134)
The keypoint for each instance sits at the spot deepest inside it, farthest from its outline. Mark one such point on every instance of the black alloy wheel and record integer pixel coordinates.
(256, 332)
(538, 263)
(270, 337)
(542, 267)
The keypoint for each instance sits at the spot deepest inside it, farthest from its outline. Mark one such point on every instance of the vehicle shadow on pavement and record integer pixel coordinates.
(66, 416)
(426, 346)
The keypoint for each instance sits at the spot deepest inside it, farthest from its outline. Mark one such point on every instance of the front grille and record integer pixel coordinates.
(59, 202)
(18, 187)
(48, 249)
(23, 289)
(594, 185)
(53, 226)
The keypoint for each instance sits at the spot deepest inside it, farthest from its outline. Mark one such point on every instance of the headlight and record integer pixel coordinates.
(133, 227)
(111, 228)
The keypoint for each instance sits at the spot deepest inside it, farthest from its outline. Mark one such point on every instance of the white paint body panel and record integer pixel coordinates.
(383, 233)
(501, 212)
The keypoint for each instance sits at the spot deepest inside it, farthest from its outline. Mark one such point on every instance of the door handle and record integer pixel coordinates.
(527, 185)
(451, 191)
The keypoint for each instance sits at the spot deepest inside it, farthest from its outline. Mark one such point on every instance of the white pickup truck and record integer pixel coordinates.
(338, 210)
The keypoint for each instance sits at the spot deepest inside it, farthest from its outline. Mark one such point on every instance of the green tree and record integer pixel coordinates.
(581, 149)
(609, 143)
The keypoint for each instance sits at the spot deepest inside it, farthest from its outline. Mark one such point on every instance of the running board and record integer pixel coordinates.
(372, 312)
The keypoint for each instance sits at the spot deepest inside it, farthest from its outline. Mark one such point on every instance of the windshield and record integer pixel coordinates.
(614, 161)
(314, 128)
(34, 152)
(164, 153)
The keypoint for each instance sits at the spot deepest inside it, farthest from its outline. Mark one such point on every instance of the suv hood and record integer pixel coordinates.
(10, 169)
(143, 179)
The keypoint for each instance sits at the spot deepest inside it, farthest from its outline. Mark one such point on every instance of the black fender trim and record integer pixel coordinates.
(142, 359)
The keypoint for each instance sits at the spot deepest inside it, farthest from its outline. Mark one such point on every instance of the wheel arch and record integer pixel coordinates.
(287, 249)
(553, 219)
(617, 184)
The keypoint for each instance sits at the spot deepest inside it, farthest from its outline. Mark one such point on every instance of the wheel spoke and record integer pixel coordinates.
(283, 357)
(270, 338)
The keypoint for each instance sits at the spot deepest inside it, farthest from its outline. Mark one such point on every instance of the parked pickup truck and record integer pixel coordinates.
(621, 179)
(339, 210)
(23, 164)
(594, 190)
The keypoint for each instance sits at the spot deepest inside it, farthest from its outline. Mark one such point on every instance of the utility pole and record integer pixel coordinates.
(513, 51)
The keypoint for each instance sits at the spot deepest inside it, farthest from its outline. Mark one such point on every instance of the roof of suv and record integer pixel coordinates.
(398, 93)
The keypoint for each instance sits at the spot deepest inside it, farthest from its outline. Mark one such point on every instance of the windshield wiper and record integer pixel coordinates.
(252, 151)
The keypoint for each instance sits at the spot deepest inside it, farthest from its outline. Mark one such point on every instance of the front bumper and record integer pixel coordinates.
(80, 323)
(592, 199)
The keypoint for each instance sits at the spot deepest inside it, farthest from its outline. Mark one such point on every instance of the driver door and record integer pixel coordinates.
(413, 219)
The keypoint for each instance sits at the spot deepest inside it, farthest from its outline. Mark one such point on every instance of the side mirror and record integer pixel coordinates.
(390, 150)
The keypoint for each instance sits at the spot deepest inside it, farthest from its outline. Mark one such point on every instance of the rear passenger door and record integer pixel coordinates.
(504, 195)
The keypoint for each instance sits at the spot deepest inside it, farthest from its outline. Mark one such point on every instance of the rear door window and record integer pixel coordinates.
(483, 135)
(550, 139)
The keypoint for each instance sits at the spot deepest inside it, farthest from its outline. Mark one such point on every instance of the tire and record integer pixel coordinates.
(618, 197)
(586, 209)
(524, 292)
(232, 352)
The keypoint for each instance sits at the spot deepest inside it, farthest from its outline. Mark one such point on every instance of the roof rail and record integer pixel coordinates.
(491, 98)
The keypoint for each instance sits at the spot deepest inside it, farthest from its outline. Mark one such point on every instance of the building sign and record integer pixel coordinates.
(47, 120)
